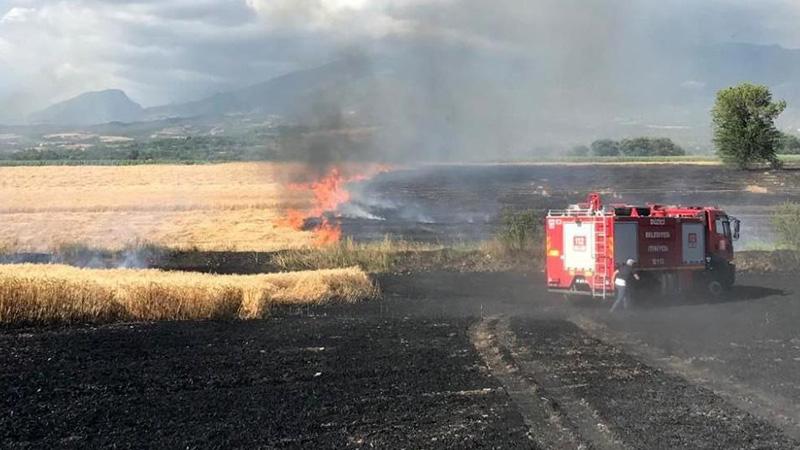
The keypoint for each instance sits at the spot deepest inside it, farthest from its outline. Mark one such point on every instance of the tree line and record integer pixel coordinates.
(789, 144)
(640, 146)
(743, 125)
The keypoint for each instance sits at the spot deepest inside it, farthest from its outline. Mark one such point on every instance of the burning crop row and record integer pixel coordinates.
(329, 192)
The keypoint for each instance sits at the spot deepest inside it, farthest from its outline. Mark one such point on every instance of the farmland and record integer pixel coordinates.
(211, 207)
(460, 350)
(240, 206)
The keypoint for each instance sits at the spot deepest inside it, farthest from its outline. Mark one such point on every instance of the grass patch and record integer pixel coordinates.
(44, 294)
(768, 261)
(390, 255)
(376, 256)
(684, 159)
(757, 245)
(384, 256)
(786, 222)
(519, 231)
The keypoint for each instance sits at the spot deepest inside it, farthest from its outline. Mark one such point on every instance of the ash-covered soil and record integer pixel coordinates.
(293, 381)
(453, 203)
(747, 345)
(407, 372)
(636, 404)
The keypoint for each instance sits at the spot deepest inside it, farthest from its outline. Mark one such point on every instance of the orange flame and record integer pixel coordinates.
(329, 192)
(327, 233)
(294, 219)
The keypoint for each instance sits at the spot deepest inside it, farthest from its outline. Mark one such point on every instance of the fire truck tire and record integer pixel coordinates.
(715, 288)
(730, 280)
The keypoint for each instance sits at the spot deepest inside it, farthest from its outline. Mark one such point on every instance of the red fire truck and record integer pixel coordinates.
(676, 248)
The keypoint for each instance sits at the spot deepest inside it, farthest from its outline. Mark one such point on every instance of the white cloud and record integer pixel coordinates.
(348, 18)
(17, 15)
(169, 50)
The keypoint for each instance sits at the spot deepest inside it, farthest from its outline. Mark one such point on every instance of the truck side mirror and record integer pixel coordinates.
(736, 224)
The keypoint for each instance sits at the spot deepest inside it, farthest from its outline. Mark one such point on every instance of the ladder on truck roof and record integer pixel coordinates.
(575, 212)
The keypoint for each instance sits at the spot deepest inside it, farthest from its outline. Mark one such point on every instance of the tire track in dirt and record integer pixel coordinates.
(597, 395)
(779, 411)
(555, 417)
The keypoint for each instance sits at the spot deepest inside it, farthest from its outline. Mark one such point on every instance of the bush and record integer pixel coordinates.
(786, 222)
(605, 147)
(640, 146)
(519, 231)
(644, 146)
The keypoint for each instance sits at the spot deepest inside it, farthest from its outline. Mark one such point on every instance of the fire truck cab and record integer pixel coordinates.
(676, 248)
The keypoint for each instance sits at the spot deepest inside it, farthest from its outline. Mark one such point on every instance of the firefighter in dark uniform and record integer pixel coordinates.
(623, 279)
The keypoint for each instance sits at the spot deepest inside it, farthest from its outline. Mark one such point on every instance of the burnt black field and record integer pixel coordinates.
(406, 372)
(445, 359)
(463, 203)
(294, 381)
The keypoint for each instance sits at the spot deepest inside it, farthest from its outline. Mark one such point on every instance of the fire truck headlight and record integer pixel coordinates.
(554, 252)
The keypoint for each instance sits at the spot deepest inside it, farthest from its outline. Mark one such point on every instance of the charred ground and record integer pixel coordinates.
(461, 203)
(445, 359)
(409, 371)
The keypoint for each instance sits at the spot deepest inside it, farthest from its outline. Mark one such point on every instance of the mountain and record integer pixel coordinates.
(445, 100)
(89, 108)
(285, 95)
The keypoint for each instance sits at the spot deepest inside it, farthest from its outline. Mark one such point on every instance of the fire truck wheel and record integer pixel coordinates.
(715, 288)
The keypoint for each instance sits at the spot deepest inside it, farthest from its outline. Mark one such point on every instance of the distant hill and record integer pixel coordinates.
(111, 105)
(284, 95)
(437, 100)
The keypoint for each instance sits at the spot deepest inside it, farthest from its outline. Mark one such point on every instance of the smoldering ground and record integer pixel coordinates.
(462, 203)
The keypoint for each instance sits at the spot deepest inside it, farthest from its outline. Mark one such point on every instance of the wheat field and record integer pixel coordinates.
(234, 206)
(40, 294)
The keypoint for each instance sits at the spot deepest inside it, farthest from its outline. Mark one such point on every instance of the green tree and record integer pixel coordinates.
(644, 146)
(789, 144)
(744, 125)
(605, 147)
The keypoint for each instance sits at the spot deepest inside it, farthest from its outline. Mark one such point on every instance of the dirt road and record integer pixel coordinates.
(445, 360)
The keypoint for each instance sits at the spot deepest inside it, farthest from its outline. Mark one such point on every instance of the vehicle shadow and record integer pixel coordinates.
(738, 293)
(747, 293)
